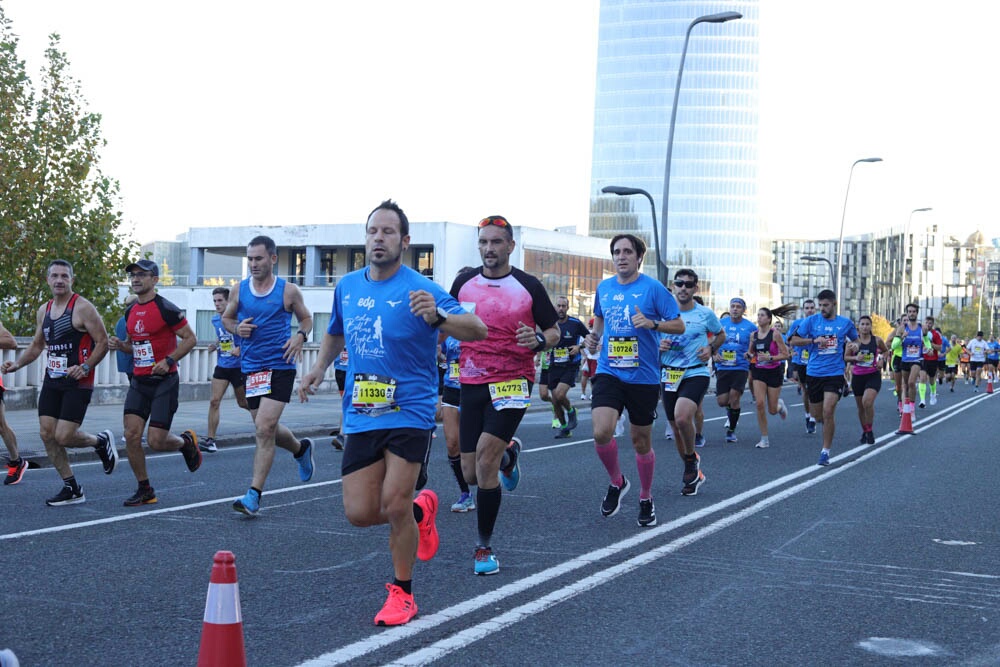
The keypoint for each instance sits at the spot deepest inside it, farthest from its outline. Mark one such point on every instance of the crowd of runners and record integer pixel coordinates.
(407, 353)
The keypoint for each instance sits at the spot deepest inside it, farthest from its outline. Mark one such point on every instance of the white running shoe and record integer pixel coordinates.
(933, 399)
(782, 410)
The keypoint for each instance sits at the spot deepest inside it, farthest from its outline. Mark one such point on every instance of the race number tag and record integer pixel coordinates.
(913, 351)
(512, 394)
(763, 358)
(374, 395)
(623, 351)
(729, 357)
(142, 354)
(827, 345)
(453, 371)
(805, 356)
(258, 384)
(671, 378)
(56, 366)
(561, 355)
(865, 360)
(226, 346)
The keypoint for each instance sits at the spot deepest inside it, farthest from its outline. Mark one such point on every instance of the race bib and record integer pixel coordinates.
(827, 345)
(623, 351)
(374, 395)
(343, 356)
(453, 371)
(258, 384)
(142, 354)
(512, 395)
(56, 366)
(805, 355)
(865, 360)
(913, 350)
(226, 347)
(671, 378)
(561, 355)
(763, 358)
(729, 357)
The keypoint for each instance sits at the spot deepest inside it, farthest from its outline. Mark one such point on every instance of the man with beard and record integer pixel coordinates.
(389, 317)
(565, 365)
(732, 365)
(911, 334)
(496, 373)
(260, 312)
(72, 332)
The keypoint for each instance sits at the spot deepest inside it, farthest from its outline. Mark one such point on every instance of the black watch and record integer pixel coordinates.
(171, 361)
(441, 319)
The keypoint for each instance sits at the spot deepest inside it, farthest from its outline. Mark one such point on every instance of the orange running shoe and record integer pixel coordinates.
(429, 539)
(398, 609)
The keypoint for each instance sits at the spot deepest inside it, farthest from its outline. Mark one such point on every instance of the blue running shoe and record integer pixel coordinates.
(249, 504)
(512, 475)
(486, 562)
(571, 419)
(810, 427)
(305, 460)
(465, 503)
(699, 440)
(731, 436)
(824, 458)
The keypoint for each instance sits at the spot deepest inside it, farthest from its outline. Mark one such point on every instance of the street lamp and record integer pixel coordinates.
(840, 245)
(710, 18)
(814, 258)
(661, 268)
(903, 245)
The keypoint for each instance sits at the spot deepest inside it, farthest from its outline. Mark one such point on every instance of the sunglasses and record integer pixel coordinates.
(497, 220)
(690, 284)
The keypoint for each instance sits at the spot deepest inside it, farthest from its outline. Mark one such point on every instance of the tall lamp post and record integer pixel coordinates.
(903, 279)
(621, 191)
(814, 258)
(721, 17)
(843, 216)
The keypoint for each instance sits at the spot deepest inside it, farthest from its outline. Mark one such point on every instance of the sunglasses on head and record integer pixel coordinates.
(690, 284)
(497, 220)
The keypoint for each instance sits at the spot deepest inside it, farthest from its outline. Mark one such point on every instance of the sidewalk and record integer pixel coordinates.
(312, 419)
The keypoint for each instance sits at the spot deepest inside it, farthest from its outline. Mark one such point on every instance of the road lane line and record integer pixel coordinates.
(458, 611)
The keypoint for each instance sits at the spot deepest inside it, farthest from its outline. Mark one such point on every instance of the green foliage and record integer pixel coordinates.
(966, 323)
(55, 202)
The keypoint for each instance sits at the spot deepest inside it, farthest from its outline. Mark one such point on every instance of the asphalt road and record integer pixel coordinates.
(889, 556)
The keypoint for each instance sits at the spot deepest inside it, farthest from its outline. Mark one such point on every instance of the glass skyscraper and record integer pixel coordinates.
(713, 223)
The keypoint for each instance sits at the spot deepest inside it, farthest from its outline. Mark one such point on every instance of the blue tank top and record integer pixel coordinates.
(262, 350)
(913, 344)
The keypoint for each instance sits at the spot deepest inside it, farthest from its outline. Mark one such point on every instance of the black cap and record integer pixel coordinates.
(144, 265)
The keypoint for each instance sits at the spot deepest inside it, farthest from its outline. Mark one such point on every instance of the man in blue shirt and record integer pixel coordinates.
(825, 333)
(389, 317)
(227, 369)
(630, 311)
(684, 374)
(732, 365)
(800, 356)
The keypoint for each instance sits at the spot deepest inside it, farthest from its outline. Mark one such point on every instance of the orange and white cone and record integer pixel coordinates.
(989, 385)
(906, 420)
(222, 631)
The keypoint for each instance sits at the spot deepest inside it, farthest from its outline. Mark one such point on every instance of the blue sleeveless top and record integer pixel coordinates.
(262, 350)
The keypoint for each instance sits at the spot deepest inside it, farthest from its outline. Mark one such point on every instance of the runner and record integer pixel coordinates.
(72, 332)
(495, 373)
(951, 361)
(451, 400)
(227, 369)
(963, 361)
(768, 351)
(866, 381)
(732, 365)
(800, 356)
(565, 366)
(992, 358)
(825, 333)
(589, 366)
(154, 325)
(16, 466)
(929, 365)
(896, 365)
(545, 362)
(631, 309)
(977, 357)
(261, 314)
(389, 317)
(911, 336)
(684, 374)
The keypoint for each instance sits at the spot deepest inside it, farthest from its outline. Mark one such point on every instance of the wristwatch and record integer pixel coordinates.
(441, 319)
(86, 368)
(171, 361)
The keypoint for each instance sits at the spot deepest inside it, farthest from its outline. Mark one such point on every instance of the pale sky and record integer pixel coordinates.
(222, 113)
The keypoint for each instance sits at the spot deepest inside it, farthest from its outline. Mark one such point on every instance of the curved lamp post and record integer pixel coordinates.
(903, 279)
(840, 246)
(814, 258)
(721, 17)
(661, 268)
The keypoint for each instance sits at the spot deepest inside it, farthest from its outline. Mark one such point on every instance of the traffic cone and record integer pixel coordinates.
(906, 421)
(989, 385)
(222, 631)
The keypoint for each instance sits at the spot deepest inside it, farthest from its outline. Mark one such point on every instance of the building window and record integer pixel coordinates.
(298, 266)
(357, 258)
(327, 267)
(203, 329)
(423, 260)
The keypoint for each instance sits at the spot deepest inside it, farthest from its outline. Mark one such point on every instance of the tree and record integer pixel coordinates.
(55, 202)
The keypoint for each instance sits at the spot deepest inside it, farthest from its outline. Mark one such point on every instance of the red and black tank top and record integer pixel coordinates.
(67, 346)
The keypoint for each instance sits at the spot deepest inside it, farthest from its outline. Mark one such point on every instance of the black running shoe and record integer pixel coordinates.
(647, 513)
(190, 450)
(67, 496)
(691, 489)
(106, 451)
(563, 434)
(141, 497)
(338, 442)
(613, 499)
(571, 419)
